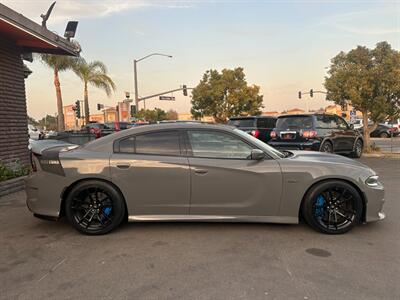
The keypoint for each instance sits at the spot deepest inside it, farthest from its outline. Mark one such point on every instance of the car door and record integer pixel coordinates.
(152, 173)
(225, 181)
(346, 136)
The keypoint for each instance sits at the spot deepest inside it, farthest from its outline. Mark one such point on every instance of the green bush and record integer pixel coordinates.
(10, 172)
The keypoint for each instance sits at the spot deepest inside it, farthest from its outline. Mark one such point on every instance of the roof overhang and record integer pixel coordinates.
(32, 37)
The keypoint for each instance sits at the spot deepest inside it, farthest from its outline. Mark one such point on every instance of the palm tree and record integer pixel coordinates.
(94, 73)
(58, 63)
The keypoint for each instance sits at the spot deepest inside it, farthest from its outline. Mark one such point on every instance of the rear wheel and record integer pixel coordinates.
(94, 207)
(332, 207)
(384, 135)
(326, 147)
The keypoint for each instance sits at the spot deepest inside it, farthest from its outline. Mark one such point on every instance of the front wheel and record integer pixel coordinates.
(332, 207)
(94, 207)
(358, 149)
(384, 135)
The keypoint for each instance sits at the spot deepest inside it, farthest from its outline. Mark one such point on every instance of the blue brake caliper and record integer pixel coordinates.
(319, 206)
(107, 211)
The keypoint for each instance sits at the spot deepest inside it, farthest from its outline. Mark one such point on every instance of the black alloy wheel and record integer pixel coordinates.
(332, 207)
(326, 147)
(94, 207)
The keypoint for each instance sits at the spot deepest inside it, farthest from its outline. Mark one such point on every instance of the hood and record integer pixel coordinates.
(321, 157)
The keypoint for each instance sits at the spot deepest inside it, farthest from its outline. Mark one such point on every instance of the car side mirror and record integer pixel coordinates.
(351, 126)
(257, 154)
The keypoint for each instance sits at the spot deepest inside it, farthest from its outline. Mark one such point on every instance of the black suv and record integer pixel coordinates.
(318, 132)
(258, 126)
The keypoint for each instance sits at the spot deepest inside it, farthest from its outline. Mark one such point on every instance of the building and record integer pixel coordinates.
(19, 38)
(70, 120)
(108, 115)
(294, 111)
(270, 113)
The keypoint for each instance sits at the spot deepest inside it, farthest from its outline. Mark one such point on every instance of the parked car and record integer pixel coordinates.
(384, 131)
(358, 123)
(98, 129)
(394, 123)
(199, 172)
(117, 126)
(258, 126)
(34, 133)
(316, 132)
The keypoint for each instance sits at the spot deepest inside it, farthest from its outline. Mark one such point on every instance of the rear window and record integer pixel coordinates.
(242, 122)
(266, 123)
(295, 122)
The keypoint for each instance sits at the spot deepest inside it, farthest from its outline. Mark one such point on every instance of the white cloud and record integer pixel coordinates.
(65, 10)
(381, 21)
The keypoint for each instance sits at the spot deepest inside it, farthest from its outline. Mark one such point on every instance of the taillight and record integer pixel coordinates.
(255, 133)
(309, 134)
(272, 134)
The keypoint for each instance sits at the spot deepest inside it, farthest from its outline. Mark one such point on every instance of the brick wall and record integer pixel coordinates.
(13, 115)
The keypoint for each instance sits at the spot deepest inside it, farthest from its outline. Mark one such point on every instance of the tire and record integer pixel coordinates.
(326, 147)
(337, 211)
(384, 135)
(358, 147)
(94, 207)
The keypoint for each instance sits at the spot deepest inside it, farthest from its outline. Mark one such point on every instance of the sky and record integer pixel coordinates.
(283, 46)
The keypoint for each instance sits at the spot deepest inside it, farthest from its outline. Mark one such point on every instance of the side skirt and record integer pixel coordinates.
(203, 218)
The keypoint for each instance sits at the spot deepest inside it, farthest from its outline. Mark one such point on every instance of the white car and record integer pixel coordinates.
(395, 123)
(34, 133)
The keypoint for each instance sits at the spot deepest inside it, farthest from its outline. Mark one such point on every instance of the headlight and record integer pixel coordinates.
(372, 181)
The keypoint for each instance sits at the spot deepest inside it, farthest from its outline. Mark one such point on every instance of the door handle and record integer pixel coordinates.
(200, 171)
(123, 166)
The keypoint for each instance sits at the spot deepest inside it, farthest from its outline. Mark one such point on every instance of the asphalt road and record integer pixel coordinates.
(389, 145)
(44, 259)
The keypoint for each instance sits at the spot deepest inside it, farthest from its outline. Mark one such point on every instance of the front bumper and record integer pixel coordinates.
(311, 145)
(375, 199)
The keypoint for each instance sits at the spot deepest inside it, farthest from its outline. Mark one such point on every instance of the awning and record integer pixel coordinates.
(31, 36)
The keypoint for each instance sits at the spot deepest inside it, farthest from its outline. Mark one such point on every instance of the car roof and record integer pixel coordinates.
(252, 117)
(306, 115)
(104, 143)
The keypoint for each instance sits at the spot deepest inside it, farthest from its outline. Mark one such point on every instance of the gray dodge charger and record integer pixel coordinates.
(199, 172)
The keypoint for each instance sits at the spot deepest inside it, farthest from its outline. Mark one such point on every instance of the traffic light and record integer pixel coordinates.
(133, 110)
(299, 94)
(184, 89)
(311, 93)
(78, 109)
(100, 106)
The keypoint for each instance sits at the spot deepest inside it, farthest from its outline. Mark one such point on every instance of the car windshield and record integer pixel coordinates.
(260, 144)
(241, 122)
(294, 122)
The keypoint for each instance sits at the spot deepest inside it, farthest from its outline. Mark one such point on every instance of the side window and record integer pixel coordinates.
(158, 143)
(324, 121)
(342, 124)
(126, 145)
(214, 144)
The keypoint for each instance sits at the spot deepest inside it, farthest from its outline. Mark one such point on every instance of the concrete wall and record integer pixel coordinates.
(13, 115)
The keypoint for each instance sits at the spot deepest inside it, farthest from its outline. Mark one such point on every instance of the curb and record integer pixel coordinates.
(382, 155)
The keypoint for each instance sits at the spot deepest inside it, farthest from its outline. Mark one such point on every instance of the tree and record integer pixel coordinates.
(224, 95)
(152, 116)
(58, 63)
(172, 115)
(32, 121)
(369, 80)
(49, 122)
(93, 73)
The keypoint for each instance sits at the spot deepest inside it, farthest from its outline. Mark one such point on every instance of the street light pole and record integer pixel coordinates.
(136, 85)
(135, 61)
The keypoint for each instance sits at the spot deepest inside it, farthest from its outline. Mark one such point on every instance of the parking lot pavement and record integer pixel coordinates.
(389, 145)
(44, 259)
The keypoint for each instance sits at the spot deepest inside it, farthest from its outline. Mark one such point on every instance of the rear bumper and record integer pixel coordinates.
(312, 145)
